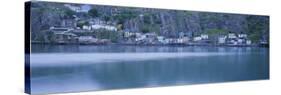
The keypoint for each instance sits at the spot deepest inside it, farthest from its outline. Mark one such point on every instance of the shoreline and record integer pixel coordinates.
(182, 45)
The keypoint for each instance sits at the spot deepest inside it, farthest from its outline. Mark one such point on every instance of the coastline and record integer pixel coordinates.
(175, 44)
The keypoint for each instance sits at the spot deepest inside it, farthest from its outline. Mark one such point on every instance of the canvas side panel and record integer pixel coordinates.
(27, 88)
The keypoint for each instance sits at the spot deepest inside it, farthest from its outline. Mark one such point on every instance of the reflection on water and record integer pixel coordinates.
(109, 67)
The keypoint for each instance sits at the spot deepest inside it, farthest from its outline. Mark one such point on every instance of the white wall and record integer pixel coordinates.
(12, 47)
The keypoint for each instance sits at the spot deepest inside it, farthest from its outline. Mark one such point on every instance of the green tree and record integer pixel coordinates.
(93, 12)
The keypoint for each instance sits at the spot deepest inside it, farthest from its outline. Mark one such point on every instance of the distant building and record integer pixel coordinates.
(64, 37)
(106, 27)
(140, 38)
(161, 39)
(222, 40)
(232, 36)
(87, 39)
(128, 34)
(60, 29)
(183, 40)
(242, 35)
(204, 36)
(248, 42)
(240, 41)
(85, 27)
(197, 38)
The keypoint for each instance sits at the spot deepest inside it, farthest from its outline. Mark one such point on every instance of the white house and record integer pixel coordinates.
(107, 27)
(232, 36)
(204, 36)
(248, 42)
(128, 34)
(85, 27)
(168, 40)
(87, 39)
(60, 30)
(197, 38)
(242, 35)
(233, 42)
(240, 41)
(183, 40)
(160, 39)
(140, 38)
(221, 40)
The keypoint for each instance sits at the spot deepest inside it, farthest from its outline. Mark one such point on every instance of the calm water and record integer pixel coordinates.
(70, 68)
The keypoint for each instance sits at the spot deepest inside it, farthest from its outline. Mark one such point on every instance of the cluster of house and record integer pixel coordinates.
(68, 36)
(234, 39)
(203, 39)
(152, 38)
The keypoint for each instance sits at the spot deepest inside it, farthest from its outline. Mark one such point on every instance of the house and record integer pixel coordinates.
(242, 35)
(140, 38)
(59, 30)
(233, 42)
(248, 42)
(128, 34)
(222, 40)
(232, 36)
(204, 36)
(240, 41)
(161, 39)
(150, 38)
(87, 39)
(106, 27)
(168, 41)
(64, 37)
(197, 38)
(85, 27)
(183, 40)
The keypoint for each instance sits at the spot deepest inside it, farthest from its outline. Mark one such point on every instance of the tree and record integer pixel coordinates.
(93, 12)
(106, 18)
(69, 13)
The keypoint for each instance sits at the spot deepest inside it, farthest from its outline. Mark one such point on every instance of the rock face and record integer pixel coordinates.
(168, 23)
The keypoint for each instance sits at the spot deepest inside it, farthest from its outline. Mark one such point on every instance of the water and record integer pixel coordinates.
(71, 68)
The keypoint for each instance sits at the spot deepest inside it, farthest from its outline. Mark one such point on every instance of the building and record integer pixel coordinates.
(222, 40)
(106, 27)
(242, 35)
(65, 37)
(248, 42)
(128, 34)
(60, 30)
(85, 27)
(87, 39)
(197, 38)
(240, 41)
(161, 39)
(232, 36)
(183, 40)
(204, 36)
